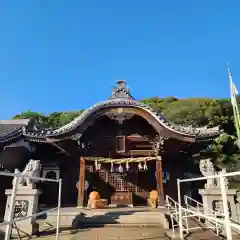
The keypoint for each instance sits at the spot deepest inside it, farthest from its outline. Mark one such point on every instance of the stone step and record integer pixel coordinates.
(70, 218)
(113, 233)
(106, 212)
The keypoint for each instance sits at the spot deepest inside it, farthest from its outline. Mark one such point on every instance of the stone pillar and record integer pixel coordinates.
(81, 183)
(26, 204)
(212, 199)
(159, 181)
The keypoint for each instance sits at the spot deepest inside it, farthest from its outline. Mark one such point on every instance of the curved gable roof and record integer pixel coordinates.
(121, 98)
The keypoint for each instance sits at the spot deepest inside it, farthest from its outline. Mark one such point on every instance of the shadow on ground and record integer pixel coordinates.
(109, 218)
(82, 222)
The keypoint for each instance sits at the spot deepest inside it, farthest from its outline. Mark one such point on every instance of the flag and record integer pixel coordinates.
(234, 93)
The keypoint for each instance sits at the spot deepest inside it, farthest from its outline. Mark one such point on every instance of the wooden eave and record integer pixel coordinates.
(189, 134)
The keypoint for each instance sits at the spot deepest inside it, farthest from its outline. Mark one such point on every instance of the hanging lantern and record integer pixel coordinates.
(167, 176)
(145, 167)
(140, 167)
(164, 177)
(127, 166)
(111, 166)
(120, 168)
(96, 164)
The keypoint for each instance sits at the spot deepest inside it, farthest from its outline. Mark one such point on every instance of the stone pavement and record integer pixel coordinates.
(113, 233)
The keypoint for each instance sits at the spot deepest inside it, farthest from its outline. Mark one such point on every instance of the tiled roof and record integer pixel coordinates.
(120, 98)
(10, 129)
(198, 133)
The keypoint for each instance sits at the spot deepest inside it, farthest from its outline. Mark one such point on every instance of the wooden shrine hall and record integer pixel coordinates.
(121, 148)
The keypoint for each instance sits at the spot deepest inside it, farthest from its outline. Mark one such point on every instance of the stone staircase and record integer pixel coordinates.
(131, 217)
(201, 233)
(75, 218)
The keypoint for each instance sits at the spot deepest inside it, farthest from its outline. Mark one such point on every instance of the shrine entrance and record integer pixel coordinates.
(125, 149)
(121, 160)
(122, 186)
(121, 182)
(119, 133)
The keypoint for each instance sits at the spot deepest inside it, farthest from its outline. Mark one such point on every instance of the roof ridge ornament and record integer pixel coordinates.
(121, 90)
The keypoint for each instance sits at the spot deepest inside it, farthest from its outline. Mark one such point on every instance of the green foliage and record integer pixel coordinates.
(192, 111)
(195, 111)
(53, 120)
(40, 118)
(223, 152)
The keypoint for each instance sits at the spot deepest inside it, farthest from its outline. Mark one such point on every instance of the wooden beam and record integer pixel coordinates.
(60, 148)
(50, 141)
(159, 180)
(81, 182)
(120, 160)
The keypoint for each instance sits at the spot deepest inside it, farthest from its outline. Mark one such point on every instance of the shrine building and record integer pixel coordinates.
(120, 147)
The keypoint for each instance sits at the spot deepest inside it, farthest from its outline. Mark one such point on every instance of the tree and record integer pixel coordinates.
(53, 120)
(40, 119)
(223, 151)
(197, 112)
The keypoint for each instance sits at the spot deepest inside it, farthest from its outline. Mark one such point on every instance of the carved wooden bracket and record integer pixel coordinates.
(120, 115)
(157, 144)
(76, 136)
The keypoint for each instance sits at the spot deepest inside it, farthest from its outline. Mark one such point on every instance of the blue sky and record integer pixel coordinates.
(63, 55)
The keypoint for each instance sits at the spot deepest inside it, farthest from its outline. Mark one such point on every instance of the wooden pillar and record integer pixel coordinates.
(159, 180)
(81, 182)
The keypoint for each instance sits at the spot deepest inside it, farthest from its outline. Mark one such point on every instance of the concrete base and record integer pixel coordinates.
(116, 205)
(26, 204)
(212, 199)
(80, 207)
(130, 205)
(112, 205)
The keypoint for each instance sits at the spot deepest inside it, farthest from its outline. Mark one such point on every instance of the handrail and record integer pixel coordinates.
(11, 221)
(230, 174)
(175, 214)
(189, 213)
(200, 204)
(33, 178)
(228, 224)
(234, 223)
(31, 216)
(212, 213)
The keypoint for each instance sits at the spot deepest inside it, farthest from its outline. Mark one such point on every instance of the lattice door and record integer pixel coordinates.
(120, 182)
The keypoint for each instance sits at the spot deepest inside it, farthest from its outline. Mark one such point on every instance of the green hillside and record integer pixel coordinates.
(190, 111)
